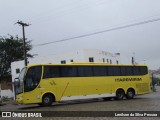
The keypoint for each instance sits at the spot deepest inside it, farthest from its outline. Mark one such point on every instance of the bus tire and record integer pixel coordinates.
(130, 93)
(47, 100)
(120, 94)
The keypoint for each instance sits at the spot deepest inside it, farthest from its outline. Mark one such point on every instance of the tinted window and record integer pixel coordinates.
(51, 71)
(32, 78)
(68, 71)
(85, 71)
(136, 70)
(123, 70)
(129, 70)
(99, 71)
(116, 71)
(110, 70)
(143, 70)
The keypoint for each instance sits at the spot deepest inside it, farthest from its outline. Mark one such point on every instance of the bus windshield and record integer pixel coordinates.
(32, 78)
(19, 82)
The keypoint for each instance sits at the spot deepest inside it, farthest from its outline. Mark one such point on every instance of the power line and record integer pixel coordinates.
(99, 32)
(61, 12)
(58, 12)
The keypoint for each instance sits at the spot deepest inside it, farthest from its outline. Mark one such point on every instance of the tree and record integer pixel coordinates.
(11, 49)
(156, 81)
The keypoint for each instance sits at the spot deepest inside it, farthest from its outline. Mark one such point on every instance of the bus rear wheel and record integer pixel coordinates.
(130, 94)
(47, 100)
(120, 94)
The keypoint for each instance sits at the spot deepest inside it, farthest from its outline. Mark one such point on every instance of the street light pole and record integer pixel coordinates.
(24, 42)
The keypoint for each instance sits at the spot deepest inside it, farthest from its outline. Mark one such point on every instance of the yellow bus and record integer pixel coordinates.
(48, 83)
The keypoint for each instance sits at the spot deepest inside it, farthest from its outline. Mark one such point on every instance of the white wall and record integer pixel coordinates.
(8, 93)
(100, 55)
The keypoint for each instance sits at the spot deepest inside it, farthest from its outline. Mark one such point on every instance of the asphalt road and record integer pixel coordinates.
(148, 102)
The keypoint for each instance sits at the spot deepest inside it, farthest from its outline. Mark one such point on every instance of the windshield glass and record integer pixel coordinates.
(19, 82)
(32, 78)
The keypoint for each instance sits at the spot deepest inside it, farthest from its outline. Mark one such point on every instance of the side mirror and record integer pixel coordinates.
(16, 81)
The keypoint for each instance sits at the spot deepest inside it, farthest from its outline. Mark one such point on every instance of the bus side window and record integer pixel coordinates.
(143, 70)
(110, 70)
(116, 70)
(84, 71)
(136, 70)
(129, 70)
(51, 72)
(123, 70)
(99, 71)
(68, 71)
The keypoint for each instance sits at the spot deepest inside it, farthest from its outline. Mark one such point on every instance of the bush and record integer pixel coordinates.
(156, 81)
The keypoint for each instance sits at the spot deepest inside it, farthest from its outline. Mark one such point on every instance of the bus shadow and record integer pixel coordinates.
(62, 103)
(73, 102)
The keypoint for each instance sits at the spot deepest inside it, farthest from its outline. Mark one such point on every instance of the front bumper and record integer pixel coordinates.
(19, 99)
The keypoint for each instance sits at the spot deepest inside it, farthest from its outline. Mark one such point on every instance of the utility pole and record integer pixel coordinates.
(24, 42)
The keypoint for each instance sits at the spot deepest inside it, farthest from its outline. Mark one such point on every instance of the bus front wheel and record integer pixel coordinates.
(47, 100)
(120, 94)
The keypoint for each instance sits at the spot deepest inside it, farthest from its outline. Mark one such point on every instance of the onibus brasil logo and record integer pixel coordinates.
(21, 114)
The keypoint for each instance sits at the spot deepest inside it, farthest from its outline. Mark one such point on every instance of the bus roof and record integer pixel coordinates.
(86, 64)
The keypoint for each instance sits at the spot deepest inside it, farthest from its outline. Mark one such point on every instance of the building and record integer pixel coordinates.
(88, 55)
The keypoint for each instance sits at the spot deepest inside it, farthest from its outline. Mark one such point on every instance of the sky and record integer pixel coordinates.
(54, 20)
